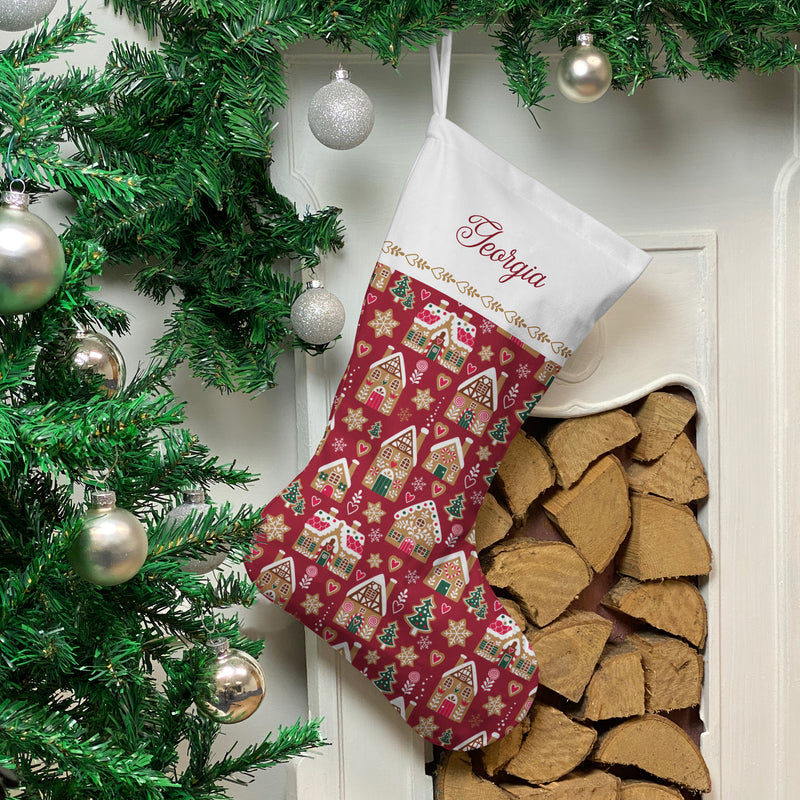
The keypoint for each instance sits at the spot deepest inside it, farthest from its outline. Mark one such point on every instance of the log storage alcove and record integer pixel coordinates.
(590, 536)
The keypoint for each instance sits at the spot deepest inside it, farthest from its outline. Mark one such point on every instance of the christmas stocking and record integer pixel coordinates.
(486, 283)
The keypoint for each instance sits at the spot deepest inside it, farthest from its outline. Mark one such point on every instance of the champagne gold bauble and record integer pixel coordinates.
(31, 257)
(112, 545)
(236, 681)
(584, 72)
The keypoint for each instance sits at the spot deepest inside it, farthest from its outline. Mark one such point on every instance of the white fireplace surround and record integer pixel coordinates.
(714, 312)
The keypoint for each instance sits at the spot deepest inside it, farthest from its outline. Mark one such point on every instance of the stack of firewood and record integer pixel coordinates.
(590, 537)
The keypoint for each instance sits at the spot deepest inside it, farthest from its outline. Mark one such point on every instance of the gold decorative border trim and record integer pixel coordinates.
(488, 301)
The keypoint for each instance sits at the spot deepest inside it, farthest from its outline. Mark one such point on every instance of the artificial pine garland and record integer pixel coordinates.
(166, 152)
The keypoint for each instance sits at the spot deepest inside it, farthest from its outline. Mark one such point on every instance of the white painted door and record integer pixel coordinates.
(703, 175)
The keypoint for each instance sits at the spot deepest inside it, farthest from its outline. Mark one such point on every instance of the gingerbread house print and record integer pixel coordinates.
(450, 574)
(477, 741)
(416, 529)
(333, 480)
(276, 580)
(446, 459)
(547, 372)
(364, 606)
(403, 709)
(347, 651)
(331, 542)
(504, 644)
(476, 400)
(442, 336)
(455, 691)
(380, 277)
(392, 465)
(383, 383)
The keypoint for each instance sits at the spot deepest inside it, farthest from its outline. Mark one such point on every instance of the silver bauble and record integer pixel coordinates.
(340, 114)
(31, 257)
(236, 681)
(112, 544)
(93, 354)
(584, 72)
(193, 503)
(17, 15)
(317, 315)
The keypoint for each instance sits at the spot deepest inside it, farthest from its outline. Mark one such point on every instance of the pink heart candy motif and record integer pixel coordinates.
(371, 298)
(424, 294)
(315, 501)
(471, 368)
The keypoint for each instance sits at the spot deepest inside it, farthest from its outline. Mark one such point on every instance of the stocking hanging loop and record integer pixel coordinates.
(440, 74)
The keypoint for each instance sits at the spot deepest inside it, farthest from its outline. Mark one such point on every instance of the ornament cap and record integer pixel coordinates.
(15, 199)
(340, 74)
(314, 284)
(194, 495)
(220, 645)
(584, 39)
(102, 498)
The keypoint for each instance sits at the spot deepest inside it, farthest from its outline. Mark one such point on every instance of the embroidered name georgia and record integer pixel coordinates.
(481, 234)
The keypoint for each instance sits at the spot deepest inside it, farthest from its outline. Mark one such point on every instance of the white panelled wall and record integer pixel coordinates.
(703, 174)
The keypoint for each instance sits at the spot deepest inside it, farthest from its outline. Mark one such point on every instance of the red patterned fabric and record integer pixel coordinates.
(371, 546)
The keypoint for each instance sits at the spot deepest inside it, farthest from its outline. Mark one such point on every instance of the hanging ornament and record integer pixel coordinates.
(194, 504)
(236, 681)
(112, 544)
(17, 15)
(81, 357)
(317, 315)
(584, 72)
(340, 114)
(31, 257)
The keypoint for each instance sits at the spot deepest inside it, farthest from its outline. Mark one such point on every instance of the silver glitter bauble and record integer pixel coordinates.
(31, 257)
(317, 315)
(194, 505)
(584, 72)
(17, 15)
(112, 544)
(340, 114)
(236, 681)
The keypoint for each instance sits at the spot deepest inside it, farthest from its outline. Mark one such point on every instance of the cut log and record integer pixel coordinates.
(554, 746)
(661, 417)
(455, 780)
(592, 784)
(673, 605)
(677, 475)
(658, 746)
(617, 688)
(673, 671)
(575, 443)
(492, 523)
(665, 541)
(645, 790)
(543, 577)
(524, 473)
(515, 612)
(594, 513)
(497, 754)
(568, 651)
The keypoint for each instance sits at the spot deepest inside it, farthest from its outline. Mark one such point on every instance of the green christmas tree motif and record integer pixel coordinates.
(489, 477)
(386, 679)
(456, 508)
(409, 301)
(529, 406)
(446, 737)
(476, 602)
(292, 497)
(402, 289)
(420, 620)
(375, 430)
(388, 636)
(498, 433)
